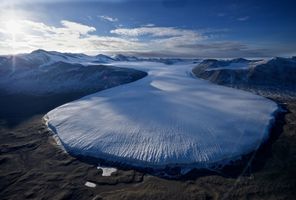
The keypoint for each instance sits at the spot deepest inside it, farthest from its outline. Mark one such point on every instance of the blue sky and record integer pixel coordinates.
(158, 28)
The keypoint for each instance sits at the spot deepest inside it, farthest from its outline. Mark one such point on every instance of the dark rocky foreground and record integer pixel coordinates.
(32, 166)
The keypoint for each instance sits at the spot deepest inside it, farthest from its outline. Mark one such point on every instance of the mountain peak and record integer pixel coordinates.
(39, 51)
(240, 60)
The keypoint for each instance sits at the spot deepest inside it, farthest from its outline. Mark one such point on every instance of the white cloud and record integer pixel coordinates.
(76, 27)
(149, 25)
(70, 37)
(156, 32)
(245, 18)
(76, 37)
(108, 18)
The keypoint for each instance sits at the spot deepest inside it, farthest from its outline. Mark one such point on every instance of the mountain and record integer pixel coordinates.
(44, 72)
(103, 58)
(38, 58)
(168, 61)
(121, 57)
(271, 77)
(49, 72)
(41, 58)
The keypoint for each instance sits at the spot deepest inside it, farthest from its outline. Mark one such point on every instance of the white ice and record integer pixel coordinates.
(107, 171)
(90, 184)
(166, 118)
(233, 66)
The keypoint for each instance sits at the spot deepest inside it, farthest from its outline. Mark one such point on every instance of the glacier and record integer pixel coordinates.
(168, 118)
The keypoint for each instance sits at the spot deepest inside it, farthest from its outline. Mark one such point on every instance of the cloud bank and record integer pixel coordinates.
(141, 41)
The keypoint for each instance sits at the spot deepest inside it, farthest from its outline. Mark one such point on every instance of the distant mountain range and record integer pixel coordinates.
(41, 58)
(271, 77)
(50, 72)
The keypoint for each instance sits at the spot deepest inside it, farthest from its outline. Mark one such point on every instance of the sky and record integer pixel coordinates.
(150, 28)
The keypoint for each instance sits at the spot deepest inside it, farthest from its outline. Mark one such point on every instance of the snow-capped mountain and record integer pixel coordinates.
(43, 72)
(42, 58)
(120, 57)
(101, 58)
(168, 61)
(47, 72)
(268, 77)
(49, 57)
(38, 58)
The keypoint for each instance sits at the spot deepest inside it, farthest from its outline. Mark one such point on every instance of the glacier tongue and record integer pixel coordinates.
(166, 118)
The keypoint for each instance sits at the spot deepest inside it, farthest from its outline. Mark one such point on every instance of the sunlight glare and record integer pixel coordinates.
(12, 27)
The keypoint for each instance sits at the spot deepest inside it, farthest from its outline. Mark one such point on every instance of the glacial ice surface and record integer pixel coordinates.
(167, 118)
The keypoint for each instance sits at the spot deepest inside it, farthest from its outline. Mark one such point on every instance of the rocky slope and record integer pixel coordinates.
(42, 72)
(271, 78)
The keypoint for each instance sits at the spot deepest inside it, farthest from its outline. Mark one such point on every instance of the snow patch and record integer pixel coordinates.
(90, 184)
(233, 66)
(107, 171)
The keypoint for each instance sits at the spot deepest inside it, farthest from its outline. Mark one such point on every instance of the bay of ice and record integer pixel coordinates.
(167, 118)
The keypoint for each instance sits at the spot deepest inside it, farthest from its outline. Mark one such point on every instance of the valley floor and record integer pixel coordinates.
(32, 166)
